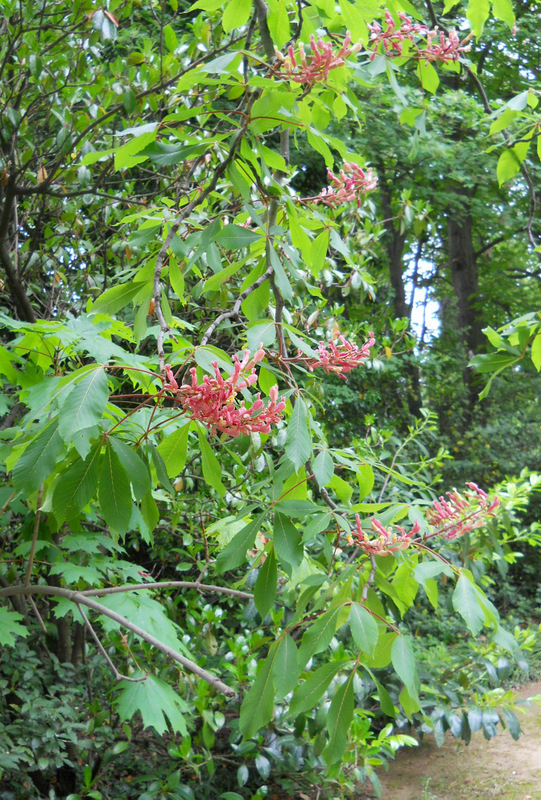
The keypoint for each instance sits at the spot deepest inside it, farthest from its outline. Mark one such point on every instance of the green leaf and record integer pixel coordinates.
(76, 486)
(115, 298)
(137, 469)
(298, 442)
(233, 237)
(156, 701)
(313, 688)
(365, 480)
(364, 628)
(536, 352)
(466, 602)
(236, 14)
(338, 721)
(323, 468)
(503, 9)
(477, 13)
(170, 38)
(149, 512)
(212, 472)
(84, 405)
(234, 554)
(319, 635)
(404, 664)
(287, 541)
(173, 450)
(38, 460)
(258, 705)
(286, 673)
(10, 627)
(114, 492)
(508, 166)
(278, 21)
(428, 76)
(265, 586)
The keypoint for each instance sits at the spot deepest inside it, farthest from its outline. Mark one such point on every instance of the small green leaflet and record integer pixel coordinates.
(234, 237)
(76, 486)
(236, 14)
(298, 443)
(287, 542)
(114, 492)
(536, 352)
(84, 405)
(364, 628)
(319, 635)
(265, 587)
(323, 468)
(286, 673)
(338, 721)
(234, 554)
(404, 664)
(466, 602)
(156, 701)
(38, 460)
(173, 450)
(309, 692)
(477, 13)
(115, 298)
(212, 472)
(10, 627)
(258, 705)
(136, 468)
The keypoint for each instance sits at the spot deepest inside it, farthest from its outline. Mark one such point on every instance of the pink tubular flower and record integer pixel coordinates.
(351, 184)
(314, 67)
(445, 48)
(387, 540)
(340, 358)
(213, 401)
(458, 514)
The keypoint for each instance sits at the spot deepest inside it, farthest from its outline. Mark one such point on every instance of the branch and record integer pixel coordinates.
(118, 675)
(79, 598)
(34, 537)
(202, 587)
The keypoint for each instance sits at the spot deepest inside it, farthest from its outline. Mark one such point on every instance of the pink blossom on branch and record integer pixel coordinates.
(439, 47)
(313, 67)
(351, 184)
(387, 541)
(213, 402)
(455, 515)
(341, 358)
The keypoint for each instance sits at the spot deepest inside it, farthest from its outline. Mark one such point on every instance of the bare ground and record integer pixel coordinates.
(497, 770)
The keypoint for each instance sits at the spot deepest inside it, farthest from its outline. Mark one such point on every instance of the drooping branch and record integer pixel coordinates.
(80, 599)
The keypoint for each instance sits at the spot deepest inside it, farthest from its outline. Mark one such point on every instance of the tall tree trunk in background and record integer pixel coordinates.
(395, 241)
(465, 281)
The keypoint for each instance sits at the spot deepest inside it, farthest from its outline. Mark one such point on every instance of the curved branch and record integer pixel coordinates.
(80, 599)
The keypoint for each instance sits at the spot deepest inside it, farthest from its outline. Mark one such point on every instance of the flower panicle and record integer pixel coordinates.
(313, 67)
(387, 541)
(439, 46)
(213, 402)
(340, 358)
(352, 183)
(457, 514)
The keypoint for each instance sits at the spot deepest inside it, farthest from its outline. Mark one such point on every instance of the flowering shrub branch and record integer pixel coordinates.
(341, 358)
(351, 184)
(449, 518)
(212, 402)
(439, 46)
(314, 67)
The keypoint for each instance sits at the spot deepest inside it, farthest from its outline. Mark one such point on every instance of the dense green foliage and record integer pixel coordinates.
(228, 576)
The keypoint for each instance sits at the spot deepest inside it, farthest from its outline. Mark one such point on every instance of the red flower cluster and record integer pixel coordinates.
(340, 358)
(351, 184)
(315, 67)
(387, 541)
(446, 48)
(450, 518)
(213, 401)
(460, 513)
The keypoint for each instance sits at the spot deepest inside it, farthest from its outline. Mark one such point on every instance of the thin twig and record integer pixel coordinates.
(34, 537)
(118, 675)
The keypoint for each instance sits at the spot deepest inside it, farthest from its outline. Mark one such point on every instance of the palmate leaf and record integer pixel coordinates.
(10, 627)
(84, 405)
(156, 701)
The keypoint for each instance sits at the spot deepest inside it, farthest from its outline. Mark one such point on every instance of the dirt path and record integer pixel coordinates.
(497, 770)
